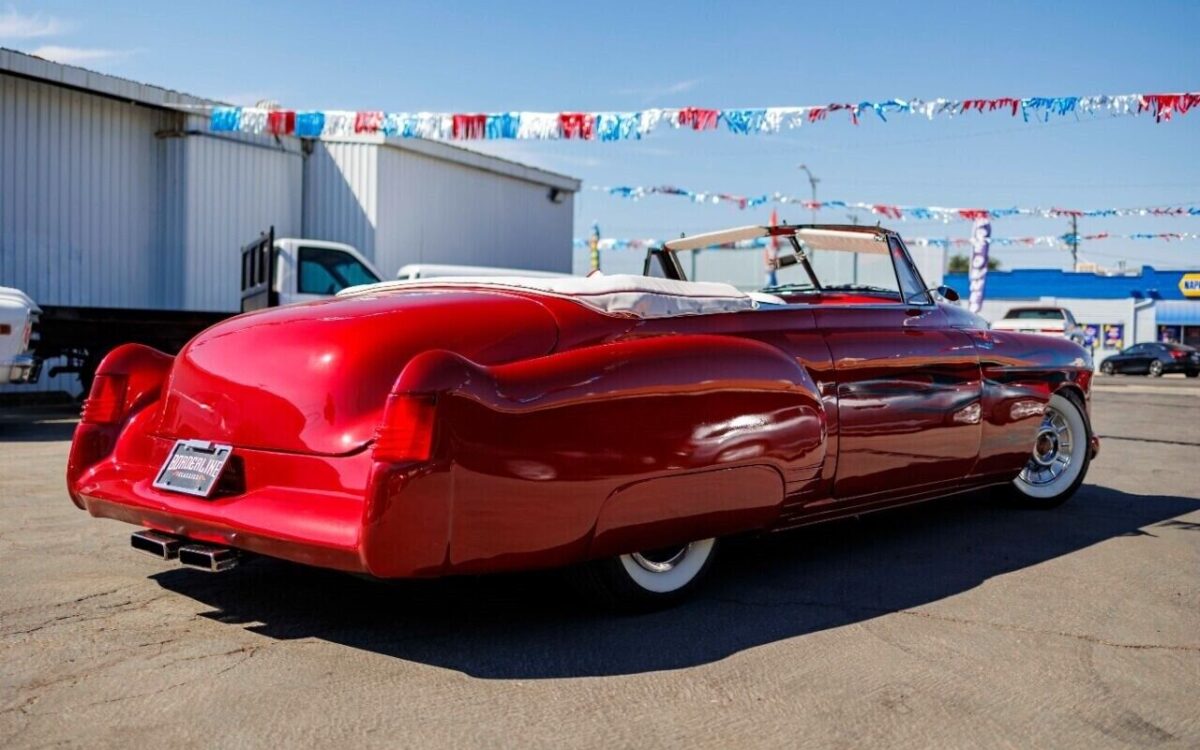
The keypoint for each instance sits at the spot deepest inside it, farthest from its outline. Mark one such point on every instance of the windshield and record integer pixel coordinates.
(327, 271)
(801, 264)
(836, 271)
(864, 265)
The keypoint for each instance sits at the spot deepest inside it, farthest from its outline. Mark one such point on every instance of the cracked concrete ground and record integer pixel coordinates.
(960, 623)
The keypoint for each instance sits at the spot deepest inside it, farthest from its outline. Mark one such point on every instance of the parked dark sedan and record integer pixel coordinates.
(1154, 360)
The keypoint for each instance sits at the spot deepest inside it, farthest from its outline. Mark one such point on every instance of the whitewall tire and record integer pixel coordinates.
(651, 579)
(1058, 461)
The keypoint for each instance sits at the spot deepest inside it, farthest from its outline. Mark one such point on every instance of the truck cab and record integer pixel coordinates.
(284, 271)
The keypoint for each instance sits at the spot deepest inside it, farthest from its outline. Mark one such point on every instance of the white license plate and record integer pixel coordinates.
(193, 467)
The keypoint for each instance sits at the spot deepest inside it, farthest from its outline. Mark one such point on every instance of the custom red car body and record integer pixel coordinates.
(462, 427)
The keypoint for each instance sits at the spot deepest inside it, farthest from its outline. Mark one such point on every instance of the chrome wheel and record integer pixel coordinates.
(1053, 450)
(661, 560)
(1059, 454)
(1156, 369)
(1107, 368)
(668, 569)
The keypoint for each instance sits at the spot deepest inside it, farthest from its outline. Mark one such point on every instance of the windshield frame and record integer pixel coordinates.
(667, 258)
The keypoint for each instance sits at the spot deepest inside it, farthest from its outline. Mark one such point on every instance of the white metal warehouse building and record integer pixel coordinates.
(110, 196)
(114, 194)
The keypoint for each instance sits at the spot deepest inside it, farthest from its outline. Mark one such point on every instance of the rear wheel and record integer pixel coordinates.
(1156, 368)
(1059, 460)
(651, 579)
(1193, 373)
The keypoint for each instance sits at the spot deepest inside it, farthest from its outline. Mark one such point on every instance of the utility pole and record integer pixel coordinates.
(1074, 243)
(812, 183)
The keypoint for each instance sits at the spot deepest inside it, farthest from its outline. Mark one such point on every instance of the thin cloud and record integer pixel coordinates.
(77, 55)
(15, 25)
(653, 93)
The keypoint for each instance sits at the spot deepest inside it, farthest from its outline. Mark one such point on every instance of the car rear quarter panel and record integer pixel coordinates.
(594, 452)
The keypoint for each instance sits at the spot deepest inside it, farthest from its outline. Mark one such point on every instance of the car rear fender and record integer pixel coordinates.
(545, 454)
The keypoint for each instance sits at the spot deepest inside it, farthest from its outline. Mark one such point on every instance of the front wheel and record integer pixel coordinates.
(648, 580)
(1107, 368)
(1059, 460)
(1156, 368)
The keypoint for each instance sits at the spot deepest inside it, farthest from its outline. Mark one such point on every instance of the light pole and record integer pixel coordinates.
(812, 183)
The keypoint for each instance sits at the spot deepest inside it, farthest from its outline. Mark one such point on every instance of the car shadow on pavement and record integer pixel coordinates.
(763, 590)
(38, 424)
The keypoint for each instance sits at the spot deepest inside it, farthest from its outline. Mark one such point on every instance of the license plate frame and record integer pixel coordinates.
(193, 467)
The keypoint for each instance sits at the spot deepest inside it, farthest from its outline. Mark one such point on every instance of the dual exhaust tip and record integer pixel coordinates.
(206, 557)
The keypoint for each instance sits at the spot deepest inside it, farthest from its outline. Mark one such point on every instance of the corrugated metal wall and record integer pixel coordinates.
(398, 207)
(79, 180)
(233, 191)
(433, 211)
(98, 210)
(341, 182)
(100, 207)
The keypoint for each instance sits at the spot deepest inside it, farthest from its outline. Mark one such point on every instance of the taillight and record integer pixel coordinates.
(406, 434)
(1176, 354)
(105, 403)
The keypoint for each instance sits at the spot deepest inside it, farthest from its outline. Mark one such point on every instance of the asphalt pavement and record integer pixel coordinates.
(957, 623)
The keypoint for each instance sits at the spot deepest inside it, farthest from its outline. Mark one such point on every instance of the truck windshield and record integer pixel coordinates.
(324, 270)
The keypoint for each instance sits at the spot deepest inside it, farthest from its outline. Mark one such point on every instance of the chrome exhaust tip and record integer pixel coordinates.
(156, 544)
(209, 559)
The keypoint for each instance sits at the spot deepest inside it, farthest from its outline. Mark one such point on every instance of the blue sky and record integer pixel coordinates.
(599, 56)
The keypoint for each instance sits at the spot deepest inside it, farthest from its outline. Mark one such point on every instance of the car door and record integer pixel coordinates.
(908, 394)
(1139, 359)
(1156, 352)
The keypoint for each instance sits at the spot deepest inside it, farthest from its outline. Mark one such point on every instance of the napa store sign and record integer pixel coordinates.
(1189, 284)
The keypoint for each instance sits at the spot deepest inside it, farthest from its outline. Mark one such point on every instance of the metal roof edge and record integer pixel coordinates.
(486, 162)
(36, 68)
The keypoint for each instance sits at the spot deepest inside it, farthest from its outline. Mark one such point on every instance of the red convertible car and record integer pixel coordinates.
(627, 423)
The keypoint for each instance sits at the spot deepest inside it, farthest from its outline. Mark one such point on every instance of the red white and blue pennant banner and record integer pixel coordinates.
(617, 126)
(1052, 241)
(892, 211)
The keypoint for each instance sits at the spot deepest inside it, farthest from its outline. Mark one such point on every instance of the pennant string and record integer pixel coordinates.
(1052, 241)
(898, 212)
(616, 126)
